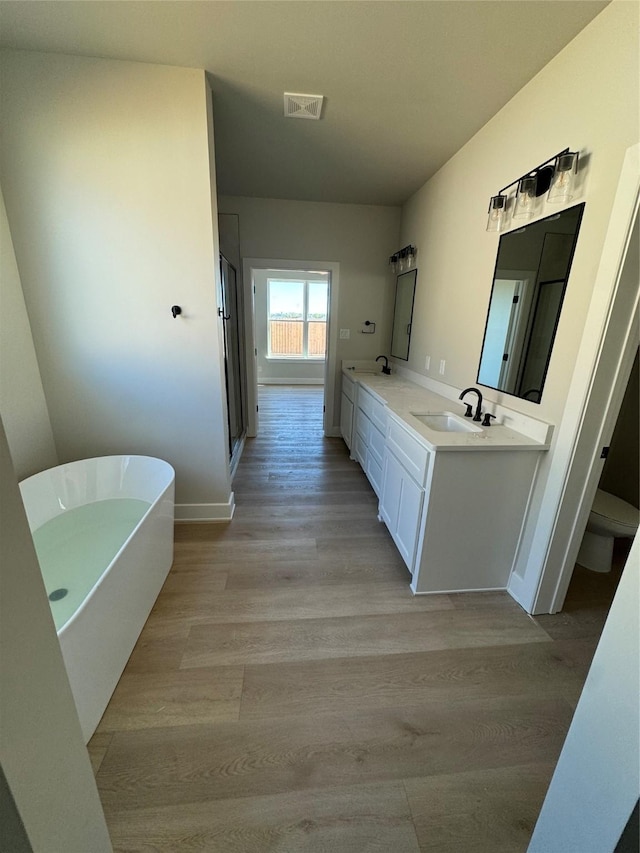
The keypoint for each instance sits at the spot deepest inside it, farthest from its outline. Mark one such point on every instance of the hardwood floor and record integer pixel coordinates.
(289, 694)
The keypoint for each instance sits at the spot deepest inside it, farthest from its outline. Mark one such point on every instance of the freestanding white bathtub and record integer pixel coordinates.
(103, 531)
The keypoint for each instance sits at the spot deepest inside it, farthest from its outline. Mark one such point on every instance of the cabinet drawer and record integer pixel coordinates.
(413, 455)
(363, 426)
(376, 445)
(376, 410)
(360, 450)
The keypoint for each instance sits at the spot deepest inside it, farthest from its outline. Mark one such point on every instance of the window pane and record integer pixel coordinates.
(317, 339)
(286, 300)
(318, 300)
(286, 338)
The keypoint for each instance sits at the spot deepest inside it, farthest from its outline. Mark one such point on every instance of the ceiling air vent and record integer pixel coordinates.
(302, 106)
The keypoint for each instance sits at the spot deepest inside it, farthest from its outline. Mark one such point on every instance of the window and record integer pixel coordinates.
(297, 318)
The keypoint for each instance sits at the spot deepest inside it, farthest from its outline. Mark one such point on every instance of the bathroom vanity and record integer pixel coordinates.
(452, 493)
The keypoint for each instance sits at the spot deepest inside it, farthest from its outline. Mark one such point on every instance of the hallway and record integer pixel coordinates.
(289, 694)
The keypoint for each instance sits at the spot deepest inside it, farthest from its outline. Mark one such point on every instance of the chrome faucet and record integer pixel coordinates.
(385, 367)
(478, 414)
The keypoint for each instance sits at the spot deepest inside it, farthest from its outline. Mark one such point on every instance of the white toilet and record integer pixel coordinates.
(610, 518)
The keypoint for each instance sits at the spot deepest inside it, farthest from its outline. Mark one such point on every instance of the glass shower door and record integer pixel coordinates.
(230, 309)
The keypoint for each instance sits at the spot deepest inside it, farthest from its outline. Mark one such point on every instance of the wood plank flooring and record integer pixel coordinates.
(289, 694)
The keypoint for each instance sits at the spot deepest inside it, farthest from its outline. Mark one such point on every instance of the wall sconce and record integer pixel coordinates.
(403, 260)
(497, 213)
(563, 180)
(556, 176)
(525, 197)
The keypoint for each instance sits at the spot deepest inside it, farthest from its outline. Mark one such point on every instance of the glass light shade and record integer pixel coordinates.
(563, 181)
(497, 213)
(393, 263)
(525, 198)
(411, 257)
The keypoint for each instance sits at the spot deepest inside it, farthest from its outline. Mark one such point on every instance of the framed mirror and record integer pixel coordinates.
(403, 314)
(529, 283)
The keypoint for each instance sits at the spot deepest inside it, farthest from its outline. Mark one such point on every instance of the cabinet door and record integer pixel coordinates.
(401, 507)
(346, 419)
(391, 491)
(408, 523)
(374, 473)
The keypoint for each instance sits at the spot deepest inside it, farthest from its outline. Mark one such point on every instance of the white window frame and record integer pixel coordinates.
(305, 322)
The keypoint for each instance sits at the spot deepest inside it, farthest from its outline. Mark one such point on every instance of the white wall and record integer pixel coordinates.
(586, 98)
(358, 237)
(42, 750)
(106, 173)
(22, 401)
(597, 780)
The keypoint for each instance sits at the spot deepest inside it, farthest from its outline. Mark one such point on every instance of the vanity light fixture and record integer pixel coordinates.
(556, 176)
(497, 213)
(563, 180)
(525, 197)
(403, 260)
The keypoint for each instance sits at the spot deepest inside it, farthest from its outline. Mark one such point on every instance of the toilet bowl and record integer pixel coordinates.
(610, 518)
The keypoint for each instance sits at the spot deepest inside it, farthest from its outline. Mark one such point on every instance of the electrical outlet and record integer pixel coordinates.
(442, 364)
(345, 334)
(427, 362)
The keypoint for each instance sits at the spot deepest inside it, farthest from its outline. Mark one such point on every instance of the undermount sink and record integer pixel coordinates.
(445, 422)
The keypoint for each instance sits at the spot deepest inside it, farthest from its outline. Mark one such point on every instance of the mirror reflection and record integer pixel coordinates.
(403, 314)
(529, 283)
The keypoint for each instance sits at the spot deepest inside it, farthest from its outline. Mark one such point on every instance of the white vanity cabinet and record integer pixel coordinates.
(453, 501)
(347, 402)
(472, 517)
(369, 436)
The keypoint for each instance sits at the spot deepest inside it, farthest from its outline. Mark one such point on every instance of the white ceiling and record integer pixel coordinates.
(406, 82)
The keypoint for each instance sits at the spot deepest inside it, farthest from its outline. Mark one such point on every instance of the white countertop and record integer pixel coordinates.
(402, 397)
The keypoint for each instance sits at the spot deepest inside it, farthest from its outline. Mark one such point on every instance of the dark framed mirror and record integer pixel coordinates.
(403, 314)
(529, 282)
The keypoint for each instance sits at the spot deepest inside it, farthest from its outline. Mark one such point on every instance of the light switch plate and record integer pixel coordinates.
(427, 362)
(442, 364)
(345, 334)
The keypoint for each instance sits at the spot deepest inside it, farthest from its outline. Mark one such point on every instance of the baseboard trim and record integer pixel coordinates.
(454, 591)
(286, 381)
(206, 512)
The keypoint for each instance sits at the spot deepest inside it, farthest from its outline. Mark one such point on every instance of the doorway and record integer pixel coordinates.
(603, 366)
(256, 275)
(590, 593)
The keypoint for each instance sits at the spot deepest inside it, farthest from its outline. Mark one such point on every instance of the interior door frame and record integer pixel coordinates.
(330, 365)
(595, 395)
